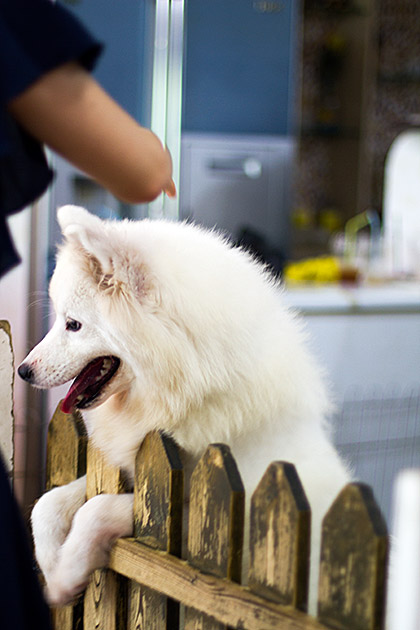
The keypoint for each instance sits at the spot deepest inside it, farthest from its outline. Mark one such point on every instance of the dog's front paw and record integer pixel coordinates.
(60, 591)
(69, 577)
(96, 525)
(51, 521)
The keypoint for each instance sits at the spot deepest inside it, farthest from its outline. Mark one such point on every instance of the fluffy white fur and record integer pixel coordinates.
(209, 353)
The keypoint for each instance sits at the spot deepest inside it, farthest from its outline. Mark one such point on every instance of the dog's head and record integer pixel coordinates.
(82, 344)
(146, 305)
(166, 315)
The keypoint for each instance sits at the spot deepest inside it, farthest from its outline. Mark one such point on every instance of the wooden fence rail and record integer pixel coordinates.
(147, 580)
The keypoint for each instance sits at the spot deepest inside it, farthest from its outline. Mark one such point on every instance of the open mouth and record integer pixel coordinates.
(89, 384)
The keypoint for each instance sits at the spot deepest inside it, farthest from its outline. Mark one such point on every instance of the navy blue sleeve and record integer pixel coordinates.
(35, 37)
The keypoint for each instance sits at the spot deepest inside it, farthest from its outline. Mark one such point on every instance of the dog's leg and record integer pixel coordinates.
(96, 525)
(51, 519)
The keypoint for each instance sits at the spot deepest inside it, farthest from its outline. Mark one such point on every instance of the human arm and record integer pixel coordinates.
(69, 111)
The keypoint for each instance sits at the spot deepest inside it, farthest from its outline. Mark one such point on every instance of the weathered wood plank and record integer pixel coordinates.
(228, 602)
(66, 448)
(102, 478)
(105, 597)
(6, 395)
(280, 537)
(158, 501)
(68, 617)
(216, 519)
(353, 562)
(66, 461)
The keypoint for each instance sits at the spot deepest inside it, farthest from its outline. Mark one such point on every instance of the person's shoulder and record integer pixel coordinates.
(37, 36)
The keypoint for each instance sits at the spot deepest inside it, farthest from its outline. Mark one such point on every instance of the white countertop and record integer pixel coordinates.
(390, 297)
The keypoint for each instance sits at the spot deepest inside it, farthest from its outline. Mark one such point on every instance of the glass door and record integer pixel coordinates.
(166, 99)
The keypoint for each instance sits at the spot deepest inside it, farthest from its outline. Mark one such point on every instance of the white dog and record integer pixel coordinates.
(166, 326)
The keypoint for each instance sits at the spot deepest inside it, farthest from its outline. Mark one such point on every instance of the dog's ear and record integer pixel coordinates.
(87, 231)
(93, 236)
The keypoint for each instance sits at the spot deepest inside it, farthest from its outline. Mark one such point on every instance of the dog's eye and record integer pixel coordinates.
(73, 325)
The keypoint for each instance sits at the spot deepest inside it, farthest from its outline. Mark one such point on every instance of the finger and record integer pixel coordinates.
(170, 190)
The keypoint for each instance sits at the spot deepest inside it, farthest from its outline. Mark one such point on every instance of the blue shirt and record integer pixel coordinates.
(36, 36)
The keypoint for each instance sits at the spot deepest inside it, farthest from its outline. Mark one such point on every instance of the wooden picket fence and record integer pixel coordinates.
(147, 580)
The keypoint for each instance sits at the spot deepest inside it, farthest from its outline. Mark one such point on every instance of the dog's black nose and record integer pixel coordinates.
(25, 371)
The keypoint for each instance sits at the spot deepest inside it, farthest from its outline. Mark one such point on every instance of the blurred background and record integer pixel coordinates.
(294, 128)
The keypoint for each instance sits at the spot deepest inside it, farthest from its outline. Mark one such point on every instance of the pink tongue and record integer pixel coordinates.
(86, 378)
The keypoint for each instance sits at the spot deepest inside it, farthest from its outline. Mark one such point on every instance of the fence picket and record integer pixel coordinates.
(353, 562)
(280, 537)
(215, 532)
(66, 448)
(66, 461)
(105, 597)
(158, 502)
